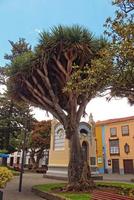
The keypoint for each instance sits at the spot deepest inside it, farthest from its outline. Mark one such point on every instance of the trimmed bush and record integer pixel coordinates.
(5, 176)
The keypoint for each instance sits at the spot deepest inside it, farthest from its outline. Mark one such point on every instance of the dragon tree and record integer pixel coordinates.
(54, 77)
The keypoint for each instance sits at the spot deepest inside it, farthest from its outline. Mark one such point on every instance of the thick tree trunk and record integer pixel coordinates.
(37, 162)
(76, 161)
(33, 160)
(79, 176)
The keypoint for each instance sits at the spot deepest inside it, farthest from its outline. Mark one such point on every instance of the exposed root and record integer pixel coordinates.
(81, 186)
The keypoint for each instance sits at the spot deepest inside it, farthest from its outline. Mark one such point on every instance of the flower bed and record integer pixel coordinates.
(122, 188)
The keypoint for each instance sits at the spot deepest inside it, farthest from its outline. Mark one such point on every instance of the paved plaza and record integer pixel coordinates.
(30, 179)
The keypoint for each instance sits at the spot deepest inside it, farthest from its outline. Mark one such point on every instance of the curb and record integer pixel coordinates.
(47, 195)
(96, 178)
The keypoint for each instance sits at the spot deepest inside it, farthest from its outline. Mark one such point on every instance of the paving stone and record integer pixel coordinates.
(29, 180)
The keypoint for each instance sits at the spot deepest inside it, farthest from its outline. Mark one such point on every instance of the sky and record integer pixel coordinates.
(27, 18)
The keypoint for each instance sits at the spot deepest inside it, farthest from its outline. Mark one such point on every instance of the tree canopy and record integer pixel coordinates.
(41, 77)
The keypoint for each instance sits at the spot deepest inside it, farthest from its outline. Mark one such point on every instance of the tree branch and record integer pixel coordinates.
(59, 65)
(81, 108)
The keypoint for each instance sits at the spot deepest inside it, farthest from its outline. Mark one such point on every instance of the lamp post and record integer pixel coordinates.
(26, 130)
(22, 161)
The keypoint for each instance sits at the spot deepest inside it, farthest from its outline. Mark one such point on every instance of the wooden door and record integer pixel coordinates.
(115, 165)
(128, 166)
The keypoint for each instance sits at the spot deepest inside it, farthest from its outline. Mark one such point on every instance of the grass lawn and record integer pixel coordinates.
(69, 195)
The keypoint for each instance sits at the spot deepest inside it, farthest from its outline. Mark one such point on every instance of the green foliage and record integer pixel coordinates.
(123, 188)
(13, 114)
(75, 34)
(21, 63)
(66, 52)
(49, 187)
(12, 121)
(18, 48)
(75, 196)
(5, 176)
(116, 184)
(120, 31)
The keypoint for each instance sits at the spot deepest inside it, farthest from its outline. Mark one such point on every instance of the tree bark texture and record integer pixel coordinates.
(79, 176)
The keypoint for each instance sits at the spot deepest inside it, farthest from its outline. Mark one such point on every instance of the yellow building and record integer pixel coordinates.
(59, 148)
(115, 145)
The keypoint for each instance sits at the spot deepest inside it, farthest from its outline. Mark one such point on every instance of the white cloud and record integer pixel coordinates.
(101, 110)
(37, 30)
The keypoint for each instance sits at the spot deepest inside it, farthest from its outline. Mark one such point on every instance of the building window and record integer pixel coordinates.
(126, 148)
(92, 160)
(114, 146)
(113, 132)
(125, 130)
(59, 138)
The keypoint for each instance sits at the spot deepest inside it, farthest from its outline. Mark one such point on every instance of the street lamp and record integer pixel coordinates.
(22, 161)
(26, 130)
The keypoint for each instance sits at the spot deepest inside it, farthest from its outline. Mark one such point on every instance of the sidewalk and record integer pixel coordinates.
(29, 180)
(118, 177)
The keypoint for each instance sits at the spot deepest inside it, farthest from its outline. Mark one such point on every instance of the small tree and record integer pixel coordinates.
(12, 113)
(12, 122)
(44, 77)
(39, 141)
(120, 31)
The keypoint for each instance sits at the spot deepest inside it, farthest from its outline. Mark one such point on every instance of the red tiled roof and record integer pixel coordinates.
(109, 121)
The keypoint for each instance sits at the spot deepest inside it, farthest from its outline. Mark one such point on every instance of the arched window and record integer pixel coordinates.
(59, 137)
